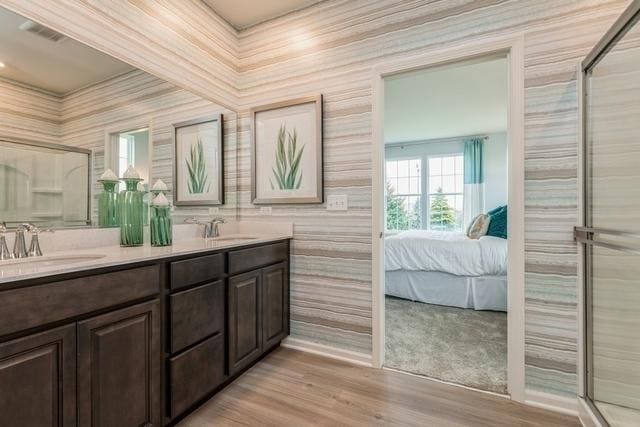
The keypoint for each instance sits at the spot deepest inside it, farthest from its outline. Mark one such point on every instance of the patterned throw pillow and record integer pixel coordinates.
(478, 226)
(498, 222)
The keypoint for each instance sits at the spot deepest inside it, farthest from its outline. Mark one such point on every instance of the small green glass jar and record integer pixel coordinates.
(131, 214)
(108, 204)
(161, 227)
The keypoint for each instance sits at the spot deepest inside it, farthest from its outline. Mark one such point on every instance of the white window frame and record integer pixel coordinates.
(426, 197)
(422, 187)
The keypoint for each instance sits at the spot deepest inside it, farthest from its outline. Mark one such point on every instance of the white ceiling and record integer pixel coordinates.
(58, 67)
(452, 101)
(245, 13)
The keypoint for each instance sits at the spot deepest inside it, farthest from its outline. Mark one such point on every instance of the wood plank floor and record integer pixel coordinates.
(292, 388)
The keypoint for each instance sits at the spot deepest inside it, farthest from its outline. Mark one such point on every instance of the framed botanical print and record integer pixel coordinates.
(198, 171)
(286, 139)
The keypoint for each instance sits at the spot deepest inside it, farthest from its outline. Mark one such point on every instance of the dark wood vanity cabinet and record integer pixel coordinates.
(119, 367)
(275, 304)
(245, 323)
(140, 345)
(258, 313)
(38, 379)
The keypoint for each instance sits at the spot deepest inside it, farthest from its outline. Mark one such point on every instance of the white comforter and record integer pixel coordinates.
(448, 252)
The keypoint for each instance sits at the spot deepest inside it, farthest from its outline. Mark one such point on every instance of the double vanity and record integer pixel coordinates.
(138, 336)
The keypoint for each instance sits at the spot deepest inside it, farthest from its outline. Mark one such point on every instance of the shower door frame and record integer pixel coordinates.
(584, 234)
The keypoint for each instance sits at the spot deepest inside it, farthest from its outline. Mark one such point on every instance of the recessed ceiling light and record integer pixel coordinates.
(1, 64)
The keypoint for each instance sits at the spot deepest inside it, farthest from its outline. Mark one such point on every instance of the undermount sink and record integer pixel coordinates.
(233, 238)
(47, 261)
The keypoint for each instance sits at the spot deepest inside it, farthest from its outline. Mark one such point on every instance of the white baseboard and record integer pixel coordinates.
(327, 351)
(563, 405)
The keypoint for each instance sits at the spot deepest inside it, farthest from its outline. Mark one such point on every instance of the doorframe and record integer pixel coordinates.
(513, 48)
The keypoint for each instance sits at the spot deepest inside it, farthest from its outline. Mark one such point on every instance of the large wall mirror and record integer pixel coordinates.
(69, 112)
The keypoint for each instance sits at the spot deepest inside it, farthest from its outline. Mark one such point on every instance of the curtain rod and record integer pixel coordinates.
(450, 139)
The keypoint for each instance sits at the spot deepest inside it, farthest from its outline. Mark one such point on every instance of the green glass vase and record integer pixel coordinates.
(108, 205)
(131, 214)
(161, 229)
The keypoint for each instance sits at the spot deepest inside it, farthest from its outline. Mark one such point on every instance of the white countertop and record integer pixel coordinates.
(75, 260)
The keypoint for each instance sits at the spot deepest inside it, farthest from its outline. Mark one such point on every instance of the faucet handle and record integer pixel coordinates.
(35, 230)
(34, 247)
(193, 220)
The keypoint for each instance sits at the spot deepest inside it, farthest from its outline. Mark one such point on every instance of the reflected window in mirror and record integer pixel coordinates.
(131, 148)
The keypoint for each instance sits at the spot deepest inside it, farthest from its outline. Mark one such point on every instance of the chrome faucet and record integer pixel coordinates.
(214, 230)
(34, 247)
(19, 244)
(4, 250)
(211, 228)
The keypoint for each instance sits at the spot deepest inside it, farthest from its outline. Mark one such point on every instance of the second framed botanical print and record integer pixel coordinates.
(286, 139)
(198, 173)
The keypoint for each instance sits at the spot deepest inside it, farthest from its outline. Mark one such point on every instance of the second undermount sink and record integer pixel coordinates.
(48, 261)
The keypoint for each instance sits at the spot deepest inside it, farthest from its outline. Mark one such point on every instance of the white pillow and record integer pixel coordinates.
(478, 226)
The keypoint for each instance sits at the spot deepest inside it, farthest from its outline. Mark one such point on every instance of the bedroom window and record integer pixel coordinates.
(445, 197)
(404, 194)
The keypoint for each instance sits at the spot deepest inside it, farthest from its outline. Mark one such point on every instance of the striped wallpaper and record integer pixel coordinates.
(139, 97)
(330, 48)
(28, 113)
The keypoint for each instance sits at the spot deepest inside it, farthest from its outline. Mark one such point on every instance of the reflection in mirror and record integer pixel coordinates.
(56, 90)
(129, 148)
(44, 184)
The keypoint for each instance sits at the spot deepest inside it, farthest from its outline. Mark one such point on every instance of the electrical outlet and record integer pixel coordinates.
(214, 211)
(265, 210)
(337, 202)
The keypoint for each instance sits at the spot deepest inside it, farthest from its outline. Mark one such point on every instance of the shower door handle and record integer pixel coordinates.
(591, 236)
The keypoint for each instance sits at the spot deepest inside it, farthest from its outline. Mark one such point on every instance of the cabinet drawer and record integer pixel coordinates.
(195, 373)
(25, 308)
(196, 270)
(196, 314)
(252, 258)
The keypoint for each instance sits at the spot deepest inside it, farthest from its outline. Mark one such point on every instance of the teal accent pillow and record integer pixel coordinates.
(498, 222)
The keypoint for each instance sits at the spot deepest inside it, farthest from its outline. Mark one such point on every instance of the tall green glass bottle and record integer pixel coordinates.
(108, 205)
(131, 210)
(161, 227)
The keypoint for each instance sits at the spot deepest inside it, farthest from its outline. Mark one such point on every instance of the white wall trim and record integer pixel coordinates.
(552, 402)
(361, 359)
(514, 48)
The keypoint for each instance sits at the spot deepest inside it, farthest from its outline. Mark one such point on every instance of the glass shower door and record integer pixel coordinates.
(612, 218)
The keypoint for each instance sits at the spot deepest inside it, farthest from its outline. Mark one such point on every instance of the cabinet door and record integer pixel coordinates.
(275, 304)
(244, 320)
(37, 379)
(119, 368)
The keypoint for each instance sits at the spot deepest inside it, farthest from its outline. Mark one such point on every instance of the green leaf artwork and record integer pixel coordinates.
(197, 169)
(287, 171)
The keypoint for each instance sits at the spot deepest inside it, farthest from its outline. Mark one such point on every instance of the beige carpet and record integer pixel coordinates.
(456, 345)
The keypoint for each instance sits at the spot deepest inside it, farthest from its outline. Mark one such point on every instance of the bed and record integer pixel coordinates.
(447, 268)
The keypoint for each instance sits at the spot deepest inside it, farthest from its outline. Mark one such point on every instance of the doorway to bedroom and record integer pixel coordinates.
(445, 206)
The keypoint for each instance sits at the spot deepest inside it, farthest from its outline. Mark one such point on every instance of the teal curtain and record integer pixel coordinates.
(473, 169)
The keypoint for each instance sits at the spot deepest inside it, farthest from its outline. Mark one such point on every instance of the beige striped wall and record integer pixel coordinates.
(330, 48)
(28, 113)
(83, 119)
(138, 97)
(183, 42)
